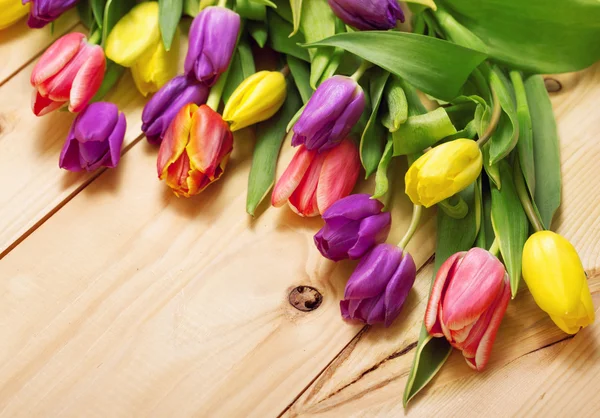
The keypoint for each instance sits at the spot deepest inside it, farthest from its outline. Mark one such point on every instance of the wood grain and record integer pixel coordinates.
(368, 378)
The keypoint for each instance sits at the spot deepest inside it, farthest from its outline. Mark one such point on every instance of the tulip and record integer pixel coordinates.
(195, 150)
(330, 114)
(353, 225)
(315, 181)
(71, 70)
(368, 14)
(378, 287)
(258, 98)
(556, 279)
(443, 171)
(95, 138)
(212, 39)
(468, 300)
(12, 12)
(164, 105)
(47, 11)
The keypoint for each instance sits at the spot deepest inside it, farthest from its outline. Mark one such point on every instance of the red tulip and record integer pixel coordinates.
(71, 70)
(468, 300)
(314, 181)
(195, 150)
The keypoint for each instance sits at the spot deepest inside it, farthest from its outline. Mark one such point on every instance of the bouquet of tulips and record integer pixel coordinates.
(453, 91)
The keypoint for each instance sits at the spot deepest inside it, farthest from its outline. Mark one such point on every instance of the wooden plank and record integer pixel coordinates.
(368, 377)
(20, 45)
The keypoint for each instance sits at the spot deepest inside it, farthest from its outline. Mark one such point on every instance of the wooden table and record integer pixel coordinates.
(118, 299)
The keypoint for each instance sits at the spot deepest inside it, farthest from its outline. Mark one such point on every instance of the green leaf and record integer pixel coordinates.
(84, 10)
(251, 10)
(371, 141)
(415, 105)
(506, 135)
(242, 66)
(296, 6)
(510, 224)
(525, 143)
(169, 15)
(270, 135)
(545, 150)
(396, 105)
(491, 170)
(382, 183)
(191, 7)
(422, 131)
(98, 7)
(258, 31)
(539, 36)
(268, 3)
(279, 40)
(112, 75)
(453, 235)
(113, 12)
(301, 73)
(434, 66)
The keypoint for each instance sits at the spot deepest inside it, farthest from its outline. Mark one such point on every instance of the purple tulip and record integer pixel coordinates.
(368, 14)
(43, 12)
(330, 114)
(95, 138)
(353, 225)
(164, 105)
(376, 291)
(212, 40)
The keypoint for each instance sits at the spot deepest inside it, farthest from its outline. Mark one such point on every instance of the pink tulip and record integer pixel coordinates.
(71, 70)
(468, 300)
(316, 180)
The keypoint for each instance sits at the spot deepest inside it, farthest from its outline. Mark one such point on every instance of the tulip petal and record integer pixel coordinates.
(338, 175)
(88, 80)
(304, 199)
(43, 105)
(87, 127)
(115, 141)
(335, 242)
(398, 287)
(176, 139)
(355, 207)
(373, 272)
(292, 176)
(56, 57)
(372, 230)
(69, 156)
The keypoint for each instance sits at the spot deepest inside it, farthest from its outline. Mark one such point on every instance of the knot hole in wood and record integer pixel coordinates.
(305, 298)
(552, 85)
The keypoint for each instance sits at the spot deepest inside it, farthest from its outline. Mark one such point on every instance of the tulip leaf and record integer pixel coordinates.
(270, 135)
(540, 36)
(525, 143)
(396, 105)
(371, 141)
(113, 12)
(84, 10)
(506, 135)
(434, 66)
(251, 10)
(258, 31)
(98, 7)
(510, 224)
(111, 76)
(415, 105)
(301, 73)
(382, 183)
(453, 235)
(268, 3)
(422, 131)
(191, 8)
(169, 15)
(296, 6)
(483, 114)
(241, 67)
(546, 150)
(279, 40)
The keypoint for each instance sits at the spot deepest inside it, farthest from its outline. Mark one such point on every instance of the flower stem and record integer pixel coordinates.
(222, 3)
(285, 70)
(95, 37)
(414, 223)
(364, 66)
(526, 202)
(496, 113)
(458, 210)
(495, 248)
(214, 98)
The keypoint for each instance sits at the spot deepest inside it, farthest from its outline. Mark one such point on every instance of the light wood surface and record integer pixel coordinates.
(118, 299)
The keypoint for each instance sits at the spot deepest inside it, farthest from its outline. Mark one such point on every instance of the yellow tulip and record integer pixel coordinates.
(156, 67)
(556, 279)
(443, 171)
(258, 98)
(12, 11)
(134, 35)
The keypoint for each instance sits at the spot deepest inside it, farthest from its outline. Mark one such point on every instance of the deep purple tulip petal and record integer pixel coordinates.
(115, 141)
(368, 15)
(96, 122)
(372, 230)
(398, 287)
(355, 207)
(163, 98)
(376, 312)
(69, 156)
(43, 12)
(372, 274)
(334, 243)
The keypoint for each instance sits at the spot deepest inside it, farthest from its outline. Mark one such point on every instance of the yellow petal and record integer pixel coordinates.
(134, 34)
(12, 11)
(156, 67)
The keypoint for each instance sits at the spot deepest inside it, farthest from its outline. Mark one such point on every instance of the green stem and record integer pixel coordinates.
(364, 66)
(222, 3)
(95, 38)
(214, 98)
(495, 248)
(496, 113)
(414, 223)
(525, 199)
(285, 70)
(458, 210)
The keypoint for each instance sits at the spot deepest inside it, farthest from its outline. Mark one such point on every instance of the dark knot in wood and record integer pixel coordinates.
(552, 85)
(305, 298)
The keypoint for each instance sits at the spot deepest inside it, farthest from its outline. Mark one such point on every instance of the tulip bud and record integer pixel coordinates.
(315, 181)
(330, 114)
(377, 290)
(556, 279)
(46, 11)
(443, 171)
(353, 225)
(195, 150)
(95, 138)
(258, 98)
(160, 111)
(213, 36)
(368, 15)
(468, 300)
(71, 70)
(12, 12)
